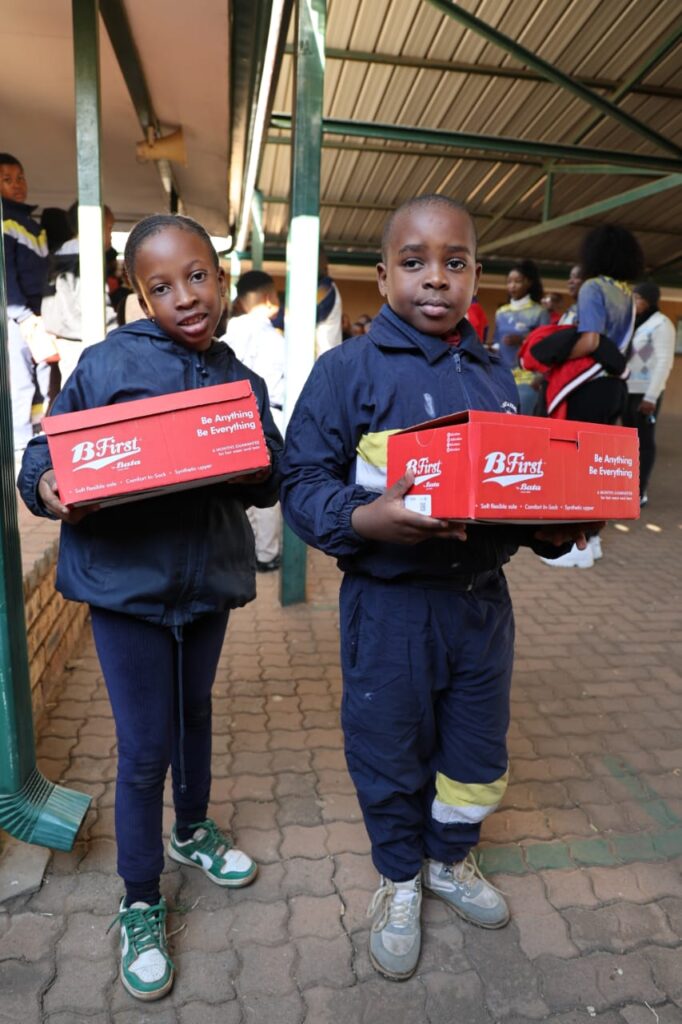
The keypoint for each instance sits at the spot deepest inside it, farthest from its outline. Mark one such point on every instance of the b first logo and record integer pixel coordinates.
(506, 468)
(102, 452)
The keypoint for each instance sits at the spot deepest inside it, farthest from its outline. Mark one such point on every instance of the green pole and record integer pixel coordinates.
(547, 199)
(88, 159)
(303, 243)
(257, 235)
(31, 808)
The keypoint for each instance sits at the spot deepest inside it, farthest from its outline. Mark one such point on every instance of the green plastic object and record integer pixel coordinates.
(31, 808)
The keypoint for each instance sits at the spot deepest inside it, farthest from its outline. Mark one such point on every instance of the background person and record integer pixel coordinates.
(32, 349)
(514, 320)
(651, 359)
(260, 346)
(61, 308)
(553, 303)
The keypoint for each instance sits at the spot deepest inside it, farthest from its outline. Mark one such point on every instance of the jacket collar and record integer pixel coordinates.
(388, 330)
(12, 206)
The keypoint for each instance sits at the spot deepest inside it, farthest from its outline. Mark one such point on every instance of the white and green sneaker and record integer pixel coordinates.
(213, 852)
(466, 891)
(395, 936)
(147, 972)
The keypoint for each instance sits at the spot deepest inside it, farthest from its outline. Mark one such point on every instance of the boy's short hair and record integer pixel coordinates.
(7, 158)
(255, 281)
(430, 199)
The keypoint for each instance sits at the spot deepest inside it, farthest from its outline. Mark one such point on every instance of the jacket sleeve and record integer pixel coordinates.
(17, 307)
(265, 494)
(317, 498)
(37, 459)
(524, 537)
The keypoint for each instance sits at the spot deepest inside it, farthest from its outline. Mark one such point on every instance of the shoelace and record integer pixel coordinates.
(467, 871)
(213, 842)
(145, 927)
(395, 906)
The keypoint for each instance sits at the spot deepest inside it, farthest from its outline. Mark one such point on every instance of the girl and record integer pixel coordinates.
(611, 259)
(514, 320)
(160, 577)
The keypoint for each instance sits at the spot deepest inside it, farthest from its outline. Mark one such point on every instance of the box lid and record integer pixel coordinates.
(557, 429)
(139, 407)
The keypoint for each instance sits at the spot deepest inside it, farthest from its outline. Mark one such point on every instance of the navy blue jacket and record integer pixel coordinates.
(175, 557)
(335, 451)
(25, 259)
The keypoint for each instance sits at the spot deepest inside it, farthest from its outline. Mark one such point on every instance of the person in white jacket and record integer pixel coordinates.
(651, 360)
(260, 346)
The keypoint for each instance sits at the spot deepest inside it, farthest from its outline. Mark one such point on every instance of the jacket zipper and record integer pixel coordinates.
(458, 366)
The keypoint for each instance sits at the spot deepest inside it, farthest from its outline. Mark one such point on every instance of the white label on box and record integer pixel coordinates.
(420, 503)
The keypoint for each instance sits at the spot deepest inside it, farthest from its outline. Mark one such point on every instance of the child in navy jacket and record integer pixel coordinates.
(426, 620)
(161, 577)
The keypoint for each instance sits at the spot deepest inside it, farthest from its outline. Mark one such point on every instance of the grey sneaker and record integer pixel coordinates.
(465, 890)
(395, 938)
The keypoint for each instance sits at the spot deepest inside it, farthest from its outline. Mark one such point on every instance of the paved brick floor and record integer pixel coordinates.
(587, 846)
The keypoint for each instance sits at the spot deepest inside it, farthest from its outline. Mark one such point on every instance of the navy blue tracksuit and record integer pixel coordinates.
(426, 630)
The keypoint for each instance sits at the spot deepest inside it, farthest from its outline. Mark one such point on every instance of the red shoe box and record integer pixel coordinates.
(146, 447)
(488, 466)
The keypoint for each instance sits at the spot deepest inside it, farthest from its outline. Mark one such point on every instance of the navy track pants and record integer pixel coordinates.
(140, 665)
(425, 713)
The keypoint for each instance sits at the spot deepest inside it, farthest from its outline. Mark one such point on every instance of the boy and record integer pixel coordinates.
(426, 620)
(31, 348)
(260, 346)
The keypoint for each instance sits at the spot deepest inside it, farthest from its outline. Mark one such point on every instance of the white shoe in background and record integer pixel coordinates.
(573, 559)
(595, 545)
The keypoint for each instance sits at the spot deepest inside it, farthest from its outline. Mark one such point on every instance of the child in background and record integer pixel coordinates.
(514, 320)
(260, 346)
(32, 349)
(161, 576)
(427, 630)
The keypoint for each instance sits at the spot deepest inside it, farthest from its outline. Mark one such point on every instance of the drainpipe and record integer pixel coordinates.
(31, 808)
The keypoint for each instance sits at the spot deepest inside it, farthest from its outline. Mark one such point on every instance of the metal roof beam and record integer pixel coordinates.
(552, 168)
(434, 153)
(633, 195)
(489, 143)
(119, 32)
(487, 70)
(552, 73)
(498, 158)
(648, 64)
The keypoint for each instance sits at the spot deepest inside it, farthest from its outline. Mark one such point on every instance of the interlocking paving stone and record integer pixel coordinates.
(587, 844)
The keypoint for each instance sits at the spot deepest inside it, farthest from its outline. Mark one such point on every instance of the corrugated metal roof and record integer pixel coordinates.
(606, 40)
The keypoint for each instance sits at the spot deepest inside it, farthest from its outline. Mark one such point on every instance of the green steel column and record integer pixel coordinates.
(303, 242)
(88, 156)
(257, 235)
(547, 199)
(31, 808)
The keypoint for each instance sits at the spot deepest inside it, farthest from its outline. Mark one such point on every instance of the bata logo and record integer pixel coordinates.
(505, 468)
(424, 470)
(100, 453)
